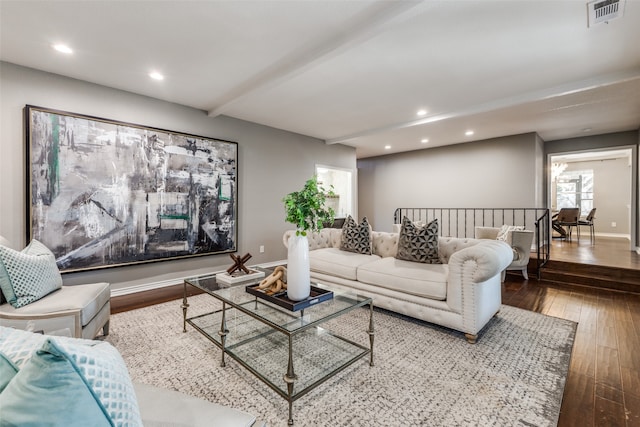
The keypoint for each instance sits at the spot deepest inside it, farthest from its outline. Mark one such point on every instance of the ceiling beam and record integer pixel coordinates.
(366, 24)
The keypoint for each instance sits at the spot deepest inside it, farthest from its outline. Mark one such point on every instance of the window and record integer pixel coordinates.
(575, 189)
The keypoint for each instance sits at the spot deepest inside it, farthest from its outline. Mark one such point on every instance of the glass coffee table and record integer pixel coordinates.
(287, 350)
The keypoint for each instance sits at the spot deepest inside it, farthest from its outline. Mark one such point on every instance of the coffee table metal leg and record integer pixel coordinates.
(185, 305)
(223, 332)
(290, 377)
(371, 333)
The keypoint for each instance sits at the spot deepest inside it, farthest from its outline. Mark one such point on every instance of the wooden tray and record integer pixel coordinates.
(316, 296)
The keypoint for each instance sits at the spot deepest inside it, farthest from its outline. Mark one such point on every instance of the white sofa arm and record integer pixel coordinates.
(473, 284)
(479, 262)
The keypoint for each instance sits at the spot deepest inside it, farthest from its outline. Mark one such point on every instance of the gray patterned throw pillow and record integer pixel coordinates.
(356, 237)
(418, 244)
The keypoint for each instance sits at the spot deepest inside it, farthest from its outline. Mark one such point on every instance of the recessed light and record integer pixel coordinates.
(469, 133)
(425, 140)
(421, 112)
(62, 48)
(586, 130)
(387, 147)
(156, 76)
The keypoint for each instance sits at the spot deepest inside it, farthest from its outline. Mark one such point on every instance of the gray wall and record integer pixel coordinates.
(272, 163)
(496, 173)
(630, 139)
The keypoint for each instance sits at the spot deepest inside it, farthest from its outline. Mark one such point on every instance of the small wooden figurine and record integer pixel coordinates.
(238, 263)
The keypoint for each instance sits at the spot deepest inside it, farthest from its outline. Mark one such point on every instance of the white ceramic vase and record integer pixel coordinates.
(298, 280)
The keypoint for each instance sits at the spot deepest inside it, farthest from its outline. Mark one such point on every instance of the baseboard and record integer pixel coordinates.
(619, 235)
(171, 282)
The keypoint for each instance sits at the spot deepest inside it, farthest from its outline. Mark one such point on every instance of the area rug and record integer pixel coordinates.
(424, 375)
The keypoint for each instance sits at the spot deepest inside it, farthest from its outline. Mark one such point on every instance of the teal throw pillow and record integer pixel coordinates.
(72, 383)
(7, 371)
(28, 275)
(18, 345)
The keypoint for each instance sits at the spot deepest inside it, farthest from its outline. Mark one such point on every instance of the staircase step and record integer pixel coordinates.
(596, 276)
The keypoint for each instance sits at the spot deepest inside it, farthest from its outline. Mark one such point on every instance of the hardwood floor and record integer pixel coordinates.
(606, 251)
(603, 384)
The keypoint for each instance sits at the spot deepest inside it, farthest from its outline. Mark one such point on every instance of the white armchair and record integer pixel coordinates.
(83, 310)
(520, 242)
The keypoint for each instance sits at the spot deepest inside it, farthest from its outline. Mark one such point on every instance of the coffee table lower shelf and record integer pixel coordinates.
(290, 363)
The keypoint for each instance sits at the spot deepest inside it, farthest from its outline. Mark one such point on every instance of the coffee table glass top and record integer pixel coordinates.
(278, 317)
(291, 351)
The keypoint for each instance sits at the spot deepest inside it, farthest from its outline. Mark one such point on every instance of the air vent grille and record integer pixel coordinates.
(603, 11)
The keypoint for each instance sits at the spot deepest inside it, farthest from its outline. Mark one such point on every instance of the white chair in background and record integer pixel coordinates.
(519, 240)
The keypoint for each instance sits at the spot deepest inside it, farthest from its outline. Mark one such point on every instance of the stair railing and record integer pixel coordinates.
(461, 222)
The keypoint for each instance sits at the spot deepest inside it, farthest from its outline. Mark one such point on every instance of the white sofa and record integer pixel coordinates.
(463, 293)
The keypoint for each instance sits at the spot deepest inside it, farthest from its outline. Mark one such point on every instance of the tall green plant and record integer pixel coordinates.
(306, 208)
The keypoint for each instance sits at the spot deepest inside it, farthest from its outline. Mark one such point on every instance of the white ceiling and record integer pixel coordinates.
(353, 72)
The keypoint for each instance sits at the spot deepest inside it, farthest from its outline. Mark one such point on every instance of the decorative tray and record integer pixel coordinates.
(316, 296)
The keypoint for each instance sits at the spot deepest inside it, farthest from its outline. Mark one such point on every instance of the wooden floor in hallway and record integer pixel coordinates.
(606, 251)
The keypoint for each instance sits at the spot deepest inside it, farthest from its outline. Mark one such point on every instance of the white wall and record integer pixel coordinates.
(495, 173)
(611, 195)
(271, 162)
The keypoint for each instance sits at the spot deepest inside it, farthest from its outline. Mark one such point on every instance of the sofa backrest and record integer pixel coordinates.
(447, 246)
(384, 244)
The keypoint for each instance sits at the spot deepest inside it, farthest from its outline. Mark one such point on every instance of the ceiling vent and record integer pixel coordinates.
(603, 11)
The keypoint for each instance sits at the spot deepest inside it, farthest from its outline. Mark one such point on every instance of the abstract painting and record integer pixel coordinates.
(103, 193)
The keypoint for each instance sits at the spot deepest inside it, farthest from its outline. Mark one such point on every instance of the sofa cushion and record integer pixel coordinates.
(338, 263)
(423, 280)
(356, 237)
(28, 275)
(418, 244)
(91, 374)
(88, 298)
(162, 408)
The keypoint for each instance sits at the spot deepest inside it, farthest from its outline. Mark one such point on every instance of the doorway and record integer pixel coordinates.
(601, 179)
(342, 182)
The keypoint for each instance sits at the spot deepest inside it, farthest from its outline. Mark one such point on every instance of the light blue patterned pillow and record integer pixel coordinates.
(75, 383)
(28, 275)
(7, 370)
(19, 345)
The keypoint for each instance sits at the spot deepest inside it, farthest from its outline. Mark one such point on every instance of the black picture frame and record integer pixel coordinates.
(105, 193)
